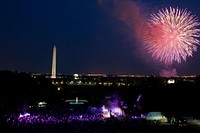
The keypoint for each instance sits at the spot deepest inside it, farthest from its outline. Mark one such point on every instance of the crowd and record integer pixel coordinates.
(59, 120)
(66, 123)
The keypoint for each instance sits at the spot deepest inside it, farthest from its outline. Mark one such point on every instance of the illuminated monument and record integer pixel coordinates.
(53, 73)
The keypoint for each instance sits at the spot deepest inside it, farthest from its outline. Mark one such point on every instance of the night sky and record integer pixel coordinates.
(89, 36)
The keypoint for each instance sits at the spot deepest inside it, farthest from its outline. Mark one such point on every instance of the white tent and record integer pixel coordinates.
(156, 116)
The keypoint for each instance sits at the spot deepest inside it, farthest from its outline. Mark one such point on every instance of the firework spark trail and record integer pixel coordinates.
(172, 35)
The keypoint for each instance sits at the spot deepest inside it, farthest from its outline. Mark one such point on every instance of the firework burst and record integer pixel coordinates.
(172, 35)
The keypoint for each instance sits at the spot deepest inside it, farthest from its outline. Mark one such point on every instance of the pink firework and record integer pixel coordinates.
(172, 35)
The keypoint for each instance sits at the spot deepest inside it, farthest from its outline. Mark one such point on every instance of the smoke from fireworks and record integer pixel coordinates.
(168, 73)
(128, 12)
(172, 35)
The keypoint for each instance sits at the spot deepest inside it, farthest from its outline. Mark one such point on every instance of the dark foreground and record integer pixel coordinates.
(102, 126)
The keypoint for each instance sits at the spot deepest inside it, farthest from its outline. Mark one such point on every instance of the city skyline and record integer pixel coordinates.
(89, 38)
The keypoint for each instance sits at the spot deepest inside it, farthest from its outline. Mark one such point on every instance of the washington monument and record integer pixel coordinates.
(53, 72)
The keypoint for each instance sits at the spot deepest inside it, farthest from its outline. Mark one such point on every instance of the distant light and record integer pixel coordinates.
(106, 113)
(58, 88)
(116, 111)
(104, 110)
(73, 102)
(171, 81)
(24, 115)
(76, 101)
(76, 76)
(79, 82)
(42, 104)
